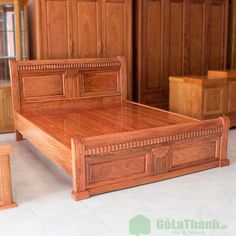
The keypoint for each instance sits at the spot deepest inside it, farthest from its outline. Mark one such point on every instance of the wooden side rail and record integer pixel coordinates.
(6, 200)
(116, 161)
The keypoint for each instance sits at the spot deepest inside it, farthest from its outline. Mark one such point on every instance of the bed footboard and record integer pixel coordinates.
(117, 161)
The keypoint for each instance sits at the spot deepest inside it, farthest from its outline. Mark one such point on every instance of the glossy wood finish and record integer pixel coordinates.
(82, 29)
(109, 119)
(197, 96)
(80, 118)
(173, 38)
(6, 108)
(6, 200)
(18, 6)
(218, 34)
(6, 114)
(230, 98)
(205, 97)
(232, 35)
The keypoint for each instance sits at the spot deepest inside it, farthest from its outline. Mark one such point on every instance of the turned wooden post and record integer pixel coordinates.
(6, 200)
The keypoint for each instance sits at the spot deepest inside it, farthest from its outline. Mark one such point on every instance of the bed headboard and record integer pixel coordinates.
(66, 83)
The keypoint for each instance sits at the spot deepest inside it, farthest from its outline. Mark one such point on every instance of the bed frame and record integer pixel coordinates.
(115, 161)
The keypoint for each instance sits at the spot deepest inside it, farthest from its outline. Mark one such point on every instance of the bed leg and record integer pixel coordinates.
(80, 195)
(78, 170)
(224, 161)
(19, 136)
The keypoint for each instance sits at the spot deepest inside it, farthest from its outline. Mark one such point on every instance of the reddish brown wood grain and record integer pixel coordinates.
(103, 141)
(205, 97)
(6, 198)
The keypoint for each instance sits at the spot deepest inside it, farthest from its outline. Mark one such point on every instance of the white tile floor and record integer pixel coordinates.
(46, 209)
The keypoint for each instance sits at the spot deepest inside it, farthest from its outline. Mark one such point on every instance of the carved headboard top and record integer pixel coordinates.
(55, 83)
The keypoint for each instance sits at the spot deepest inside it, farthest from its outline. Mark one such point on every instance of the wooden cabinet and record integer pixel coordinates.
(13, 45)
(196, 35)
(232, 35)
(158, 48)
(218, 34)
(87, 29)
(116, 21)
(55, 28)
(151, 87)
(205, 97)
(82, 29)
(6, 114)
(6, 199)
(176, 38)
(198, 96)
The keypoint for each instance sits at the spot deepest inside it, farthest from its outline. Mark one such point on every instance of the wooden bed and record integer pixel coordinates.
(76, 112)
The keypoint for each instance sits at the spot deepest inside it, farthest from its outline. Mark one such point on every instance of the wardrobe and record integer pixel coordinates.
(81, 29)
(176, 37)
(232, 35)
(159, 38)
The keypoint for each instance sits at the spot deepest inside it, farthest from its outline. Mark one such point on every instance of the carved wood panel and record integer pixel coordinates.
(50, 85)
(114, 168)
(103, 165)
(218, 24)
(159, 41)
(177, 37)
(114, 33)
(232, 97)
(187, 155)
(6, 116)
(6, 199)
(82, 29)
(196, 37)
(176, 23)
(87, 29)
(81, 80)
(70, 84)
(162, 157)
(151, 84)
(56, 28)
(232, 35)
(153, 53)
(117, 34)
(97, 84)
(213, 101)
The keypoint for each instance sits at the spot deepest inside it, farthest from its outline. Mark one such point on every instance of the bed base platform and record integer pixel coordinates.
(100, 139)
(118, 161)
(101, 165)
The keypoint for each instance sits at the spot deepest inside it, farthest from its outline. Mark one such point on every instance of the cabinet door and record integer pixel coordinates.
(159, 42)
(149, 51)
(6, 115)
(196, 37)
(173, 43)
(56, 23)
(87, 28)
(218, 21)
(174, 19)
(117, 32)
(232, 35)
(232, 97)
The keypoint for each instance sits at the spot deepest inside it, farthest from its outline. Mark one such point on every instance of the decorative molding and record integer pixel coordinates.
(71, 84)
(151, 141)
(161, 157)
(68, 66)
(160, 152)
(13, 1)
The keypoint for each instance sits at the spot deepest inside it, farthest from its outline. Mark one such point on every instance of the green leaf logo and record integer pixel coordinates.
(139, 225)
